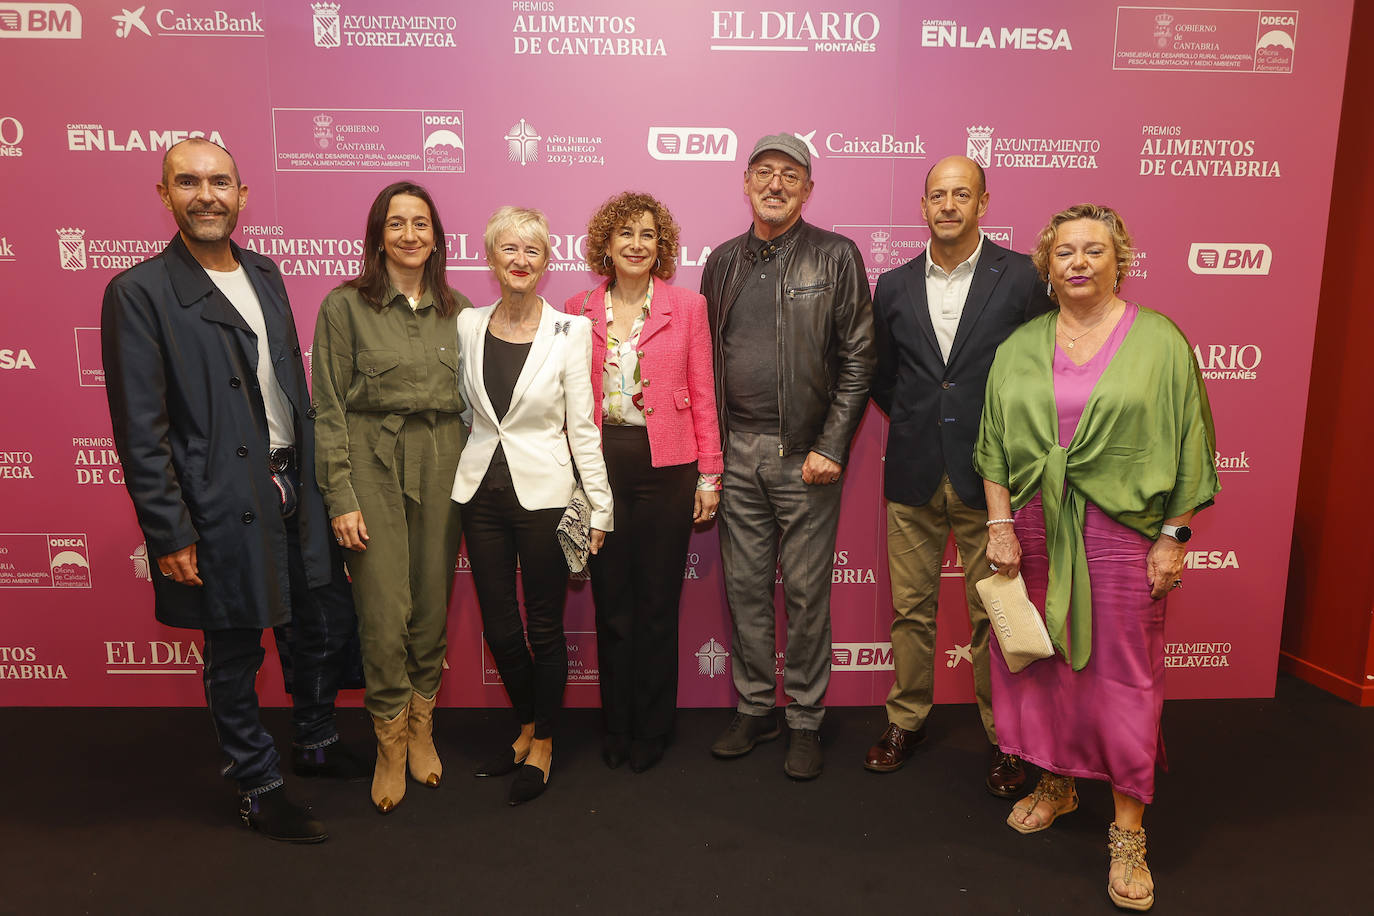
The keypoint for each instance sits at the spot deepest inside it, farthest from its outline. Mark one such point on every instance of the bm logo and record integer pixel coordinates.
(861, 656)
(1234, 258)
(693, 144)
(39, 20)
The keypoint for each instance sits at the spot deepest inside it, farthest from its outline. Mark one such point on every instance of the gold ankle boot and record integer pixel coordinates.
(423, 758)
(389, 779)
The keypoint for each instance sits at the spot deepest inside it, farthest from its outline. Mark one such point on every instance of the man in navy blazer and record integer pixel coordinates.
(938, 321)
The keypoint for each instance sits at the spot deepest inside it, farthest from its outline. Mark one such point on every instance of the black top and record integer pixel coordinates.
(750, 341)
(501, 365)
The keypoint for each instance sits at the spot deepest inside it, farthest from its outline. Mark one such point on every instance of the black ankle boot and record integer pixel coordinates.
(332, 761)
(275, 816)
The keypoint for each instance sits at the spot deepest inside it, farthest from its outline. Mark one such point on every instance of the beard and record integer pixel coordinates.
(216, 230)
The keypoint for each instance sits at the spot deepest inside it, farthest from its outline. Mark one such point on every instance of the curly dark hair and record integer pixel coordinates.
(620, 210)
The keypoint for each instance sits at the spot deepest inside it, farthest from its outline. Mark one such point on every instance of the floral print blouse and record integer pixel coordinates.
(622, 398)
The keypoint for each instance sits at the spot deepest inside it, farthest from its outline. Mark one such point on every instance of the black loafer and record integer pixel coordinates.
(529, 784)
(501, 764)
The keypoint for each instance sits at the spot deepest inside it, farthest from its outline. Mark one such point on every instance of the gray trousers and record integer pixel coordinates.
(769, 516)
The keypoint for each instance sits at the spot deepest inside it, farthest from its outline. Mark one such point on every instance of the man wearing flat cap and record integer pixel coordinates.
(792, 324)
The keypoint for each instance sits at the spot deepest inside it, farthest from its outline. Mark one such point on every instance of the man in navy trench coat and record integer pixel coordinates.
(212, 421)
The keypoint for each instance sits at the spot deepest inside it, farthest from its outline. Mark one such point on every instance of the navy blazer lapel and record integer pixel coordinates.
(920, 308)
(991, 266)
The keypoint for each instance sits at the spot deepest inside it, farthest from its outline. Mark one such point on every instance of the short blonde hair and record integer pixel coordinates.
(1116, 228)
(526, 224)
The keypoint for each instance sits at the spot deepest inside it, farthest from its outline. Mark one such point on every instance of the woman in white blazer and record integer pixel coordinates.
(526, 374)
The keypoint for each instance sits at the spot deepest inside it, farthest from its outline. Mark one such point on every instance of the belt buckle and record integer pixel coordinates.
(280, 460)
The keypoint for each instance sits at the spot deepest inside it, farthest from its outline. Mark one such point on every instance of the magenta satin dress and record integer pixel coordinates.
(1101, 722)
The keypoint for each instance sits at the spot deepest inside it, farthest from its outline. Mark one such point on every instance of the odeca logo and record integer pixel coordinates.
(39, 20)
(1230, 258)
(693, 144)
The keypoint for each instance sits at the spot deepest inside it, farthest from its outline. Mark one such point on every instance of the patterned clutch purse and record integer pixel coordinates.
(575, 530)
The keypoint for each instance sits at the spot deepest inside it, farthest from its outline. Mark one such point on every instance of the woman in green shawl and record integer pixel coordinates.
(1096, 449)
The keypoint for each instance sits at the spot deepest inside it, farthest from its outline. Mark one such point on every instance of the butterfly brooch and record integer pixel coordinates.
(561, 327)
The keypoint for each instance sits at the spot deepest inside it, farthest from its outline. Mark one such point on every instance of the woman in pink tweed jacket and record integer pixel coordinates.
(654, 399)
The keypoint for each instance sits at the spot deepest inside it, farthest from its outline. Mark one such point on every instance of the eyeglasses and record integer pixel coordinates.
(763, 175)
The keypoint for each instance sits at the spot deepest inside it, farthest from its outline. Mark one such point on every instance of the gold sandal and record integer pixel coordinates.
(1128, 848)
(1051, 788)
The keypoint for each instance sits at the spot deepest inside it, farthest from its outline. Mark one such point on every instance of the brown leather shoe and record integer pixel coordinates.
(1006, 775)
(893, 749)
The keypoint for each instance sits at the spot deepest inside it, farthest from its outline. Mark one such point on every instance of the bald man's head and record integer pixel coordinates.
(167, 157)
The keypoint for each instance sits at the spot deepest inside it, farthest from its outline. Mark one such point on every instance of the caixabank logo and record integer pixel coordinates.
(39, 20)
(169, 22)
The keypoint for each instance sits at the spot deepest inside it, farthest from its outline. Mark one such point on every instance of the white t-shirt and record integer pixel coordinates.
(239, 290)
(946, 294)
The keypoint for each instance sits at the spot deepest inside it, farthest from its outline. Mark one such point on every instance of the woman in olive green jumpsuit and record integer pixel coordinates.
(387, 430)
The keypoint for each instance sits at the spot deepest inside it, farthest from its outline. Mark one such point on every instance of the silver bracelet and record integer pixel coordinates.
(999, 521)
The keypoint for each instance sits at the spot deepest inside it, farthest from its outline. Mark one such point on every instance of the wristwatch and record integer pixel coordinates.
(1181, 533)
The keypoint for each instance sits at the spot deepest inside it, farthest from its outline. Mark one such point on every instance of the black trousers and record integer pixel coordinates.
(500, 532)
(637, 585)
(314, 646)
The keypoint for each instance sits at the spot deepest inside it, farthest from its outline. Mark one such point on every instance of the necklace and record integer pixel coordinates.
(1096, 324)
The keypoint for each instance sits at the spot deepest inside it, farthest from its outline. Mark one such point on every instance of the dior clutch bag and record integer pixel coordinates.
(1019, 628)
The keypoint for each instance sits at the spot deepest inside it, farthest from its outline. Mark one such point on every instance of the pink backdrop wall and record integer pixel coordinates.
(1213, 131)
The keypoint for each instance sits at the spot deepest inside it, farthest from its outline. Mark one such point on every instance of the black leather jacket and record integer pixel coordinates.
(825, 337)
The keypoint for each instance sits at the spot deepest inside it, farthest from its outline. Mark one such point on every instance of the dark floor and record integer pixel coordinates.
(1267, 810)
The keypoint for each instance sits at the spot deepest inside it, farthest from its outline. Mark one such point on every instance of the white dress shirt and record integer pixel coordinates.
(946, 294)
